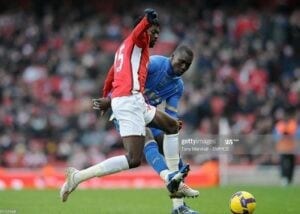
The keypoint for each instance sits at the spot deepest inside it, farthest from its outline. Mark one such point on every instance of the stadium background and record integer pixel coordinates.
(245, 79)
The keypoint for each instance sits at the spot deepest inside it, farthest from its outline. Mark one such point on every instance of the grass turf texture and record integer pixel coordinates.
(270, 200)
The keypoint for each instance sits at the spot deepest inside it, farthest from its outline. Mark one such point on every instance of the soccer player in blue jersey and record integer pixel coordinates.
(164, 84)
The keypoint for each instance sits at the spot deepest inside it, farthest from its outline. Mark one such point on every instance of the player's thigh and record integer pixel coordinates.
(164, 122)
(129, 111)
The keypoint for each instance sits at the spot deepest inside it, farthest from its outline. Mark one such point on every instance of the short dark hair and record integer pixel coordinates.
(186, 49)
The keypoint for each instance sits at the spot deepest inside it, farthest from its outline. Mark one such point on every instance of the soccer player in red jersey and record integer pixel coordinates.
(126, 80)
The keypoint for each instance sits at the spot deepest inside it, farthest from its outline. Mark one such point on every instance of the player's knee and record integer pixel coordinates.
(173, 127)
(134, 163)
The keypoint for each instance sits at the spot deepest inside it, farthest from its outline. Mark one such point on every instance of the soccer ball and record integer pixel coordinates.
(242, 202)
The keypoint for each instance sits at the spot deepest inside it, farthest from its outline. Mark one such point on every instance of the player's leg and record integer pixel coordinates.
(170, 126)
(134, 146)
(184, 190)
(153, 157)
(156, 160)
(175, 178)
(284, 169)
(132, 129)
(289, 164)
(164, 122)
(159, 137)
(171, 152)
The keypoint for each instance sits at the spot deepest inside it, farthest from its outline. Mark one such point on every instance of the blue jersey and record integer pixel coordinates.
(163, 85)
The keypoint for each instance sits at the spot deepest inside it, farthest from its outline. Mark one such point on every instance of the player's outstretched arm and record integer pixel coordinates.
(150, 18)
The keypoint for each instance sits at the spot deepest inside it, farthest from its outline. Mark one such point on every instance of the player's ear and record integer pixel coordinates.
(172, 56)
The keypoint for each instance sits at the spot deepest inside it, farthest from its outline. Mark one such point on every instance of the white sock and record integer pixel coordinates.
(164, 174)
(106, 167)
(171, 151)
(177, 202)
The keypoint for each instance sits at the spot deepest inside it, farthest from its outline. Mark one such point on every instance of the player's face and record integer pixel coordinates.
(153, 32)
(181, 62)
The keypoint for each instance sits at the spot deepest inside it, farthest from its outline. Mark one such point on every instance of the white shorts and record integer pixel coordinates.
(133, 114)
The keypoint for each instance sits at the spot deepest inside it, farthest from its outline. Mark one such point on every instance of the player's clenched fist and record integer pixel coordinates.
(151, 15)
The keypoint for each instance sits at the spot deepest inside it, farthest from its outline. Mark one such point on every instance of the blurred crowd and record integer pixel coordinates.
(244, 80)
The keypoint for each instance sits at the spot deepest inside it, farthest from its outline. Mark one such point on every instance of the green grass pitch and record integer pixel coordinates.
(270, 200)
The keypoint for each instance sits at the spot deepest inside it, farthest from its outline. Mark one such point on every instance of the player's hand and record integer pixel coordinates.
(151, 15)
(179, 124)
(102, 104)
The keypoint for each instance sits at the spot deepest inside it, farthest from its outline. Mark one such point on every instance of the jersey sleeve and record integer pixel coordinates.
(172, 103)
(139, 30)
(108, 82)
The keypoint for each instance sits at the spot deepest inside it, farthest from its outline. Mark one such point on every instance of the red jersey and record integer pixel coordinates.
(129, 71)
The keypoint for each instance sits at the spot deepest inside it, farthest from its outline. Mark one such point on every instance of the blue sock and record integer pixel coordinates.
(180, 164)
(154, 158)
